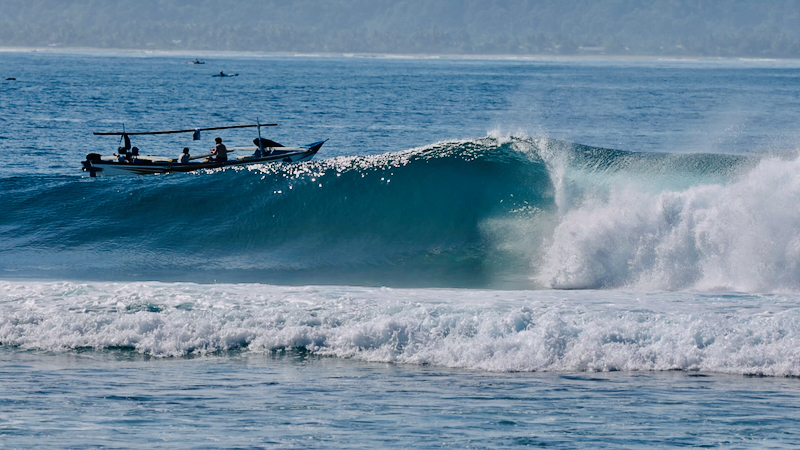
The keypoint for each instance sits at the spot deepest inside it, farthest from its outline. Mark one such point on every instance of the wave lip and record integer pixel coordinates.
(503, 331)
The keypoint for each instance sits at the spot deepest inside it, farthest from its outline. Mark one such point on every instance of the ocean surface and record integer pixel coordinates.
(486, 253)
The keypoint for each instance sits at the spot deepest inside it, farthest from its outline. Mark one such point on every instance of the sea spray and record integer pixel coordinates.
(740, 235)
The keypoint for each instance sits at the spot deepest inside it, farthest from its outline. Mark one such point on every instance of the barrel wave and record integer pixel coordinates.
(498, 212)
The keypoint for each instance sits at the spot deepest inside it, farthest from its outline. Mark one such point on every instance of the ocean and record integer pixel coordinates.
(486, 253)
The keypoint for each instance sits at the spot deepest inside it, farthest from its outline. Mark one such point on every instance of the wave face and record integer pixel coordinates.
(475, 329)
(490, 212)
(408, 217)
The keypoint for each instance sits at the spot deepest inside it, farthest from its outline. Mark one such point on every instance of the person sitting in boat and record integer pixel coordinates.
(220, 152)
(134, 157)
(184, 158)
(221, 73)
(122, 156)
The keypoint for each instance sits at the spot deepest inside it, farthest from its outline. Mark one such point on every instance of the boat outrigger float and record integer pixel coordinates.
(127, 161)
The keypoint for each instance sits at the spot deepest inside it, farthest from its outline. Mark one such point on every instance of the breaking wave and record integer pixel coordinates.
(493, 212)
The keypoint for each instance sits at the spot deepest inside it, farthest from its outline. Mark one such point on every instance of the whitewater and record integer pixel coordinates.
(506, 331)
(486, 253)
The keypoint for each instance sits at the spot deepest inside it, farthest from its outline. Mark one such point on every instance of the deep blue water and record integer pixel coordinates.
(485, 253)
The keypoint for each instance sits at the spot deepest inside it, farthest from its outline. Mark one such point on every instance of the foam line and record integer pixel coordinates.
(470, 329)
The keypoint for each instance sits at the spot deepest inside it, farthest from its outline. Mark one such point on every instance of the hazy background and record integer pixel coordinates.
(564, 27)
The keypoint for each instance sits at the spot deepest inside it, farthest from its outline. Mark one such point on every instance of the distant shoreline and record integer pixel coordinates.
(478, 57)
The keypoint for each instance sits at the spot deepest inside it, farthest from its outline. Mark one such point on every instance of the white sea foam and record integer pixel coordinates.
(473, 329)
(740, 236)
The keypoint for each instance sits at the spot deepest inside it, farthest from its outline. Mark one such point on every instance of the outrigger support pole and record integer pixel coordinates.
(260, 144)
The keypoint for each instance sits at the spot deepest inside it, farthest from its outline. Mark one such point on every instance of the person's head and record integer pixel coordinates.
(186, 150)
(135, 151)
(218, 140)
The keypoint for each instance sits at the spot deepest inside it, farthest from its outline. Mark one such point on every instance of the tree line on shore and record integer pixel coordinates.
(579, 27)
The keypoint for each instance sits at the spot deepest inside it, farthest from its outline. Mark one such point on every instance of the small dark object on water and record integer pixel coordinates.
(11, 79)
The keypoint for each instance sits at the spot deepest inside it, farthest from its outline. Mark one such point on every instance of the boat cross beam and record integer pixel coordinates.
(120, 133)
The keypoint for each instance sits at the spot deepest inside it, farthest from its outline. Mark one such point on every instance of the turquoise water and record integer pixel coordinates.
(485, 254)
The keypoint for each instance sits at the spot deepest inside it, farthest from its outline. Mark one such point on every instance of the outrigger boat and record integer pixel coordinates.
(125, 163)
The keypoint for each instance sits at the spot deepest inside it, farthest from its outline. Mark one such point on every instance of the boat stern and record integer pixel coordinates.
(88, 165)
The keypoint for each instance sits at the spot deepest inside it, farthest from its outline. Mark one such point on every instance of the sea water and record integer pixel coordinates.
(486, 253)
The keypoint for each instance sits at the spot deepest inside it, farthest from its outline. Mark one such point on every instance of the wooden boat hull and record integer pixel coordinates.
(105, 168)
